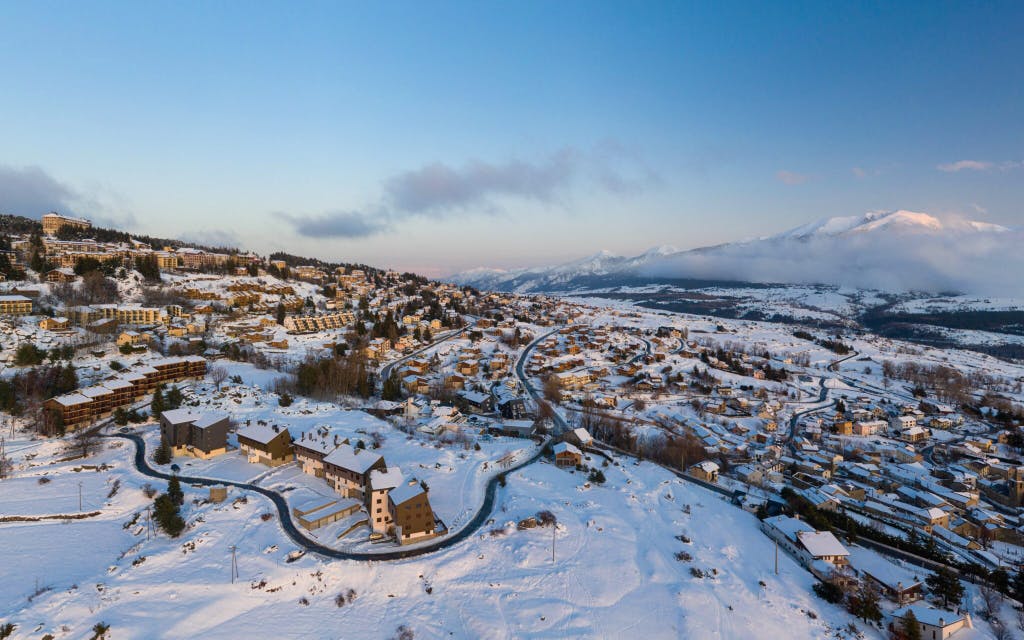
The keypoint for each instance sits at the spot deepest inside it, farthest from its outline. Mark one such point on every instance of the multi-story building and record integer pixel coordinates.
(347, 470)
(264, 444)
(13, 305)
(412, 518)
(53, 222)
(202, 435)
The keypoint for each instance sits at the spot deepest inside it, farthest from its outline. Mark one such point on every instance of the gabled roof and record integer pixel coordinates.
(565, 447)
(821, 543)
(262, 433)
(386, 479)
(405, 492)
(351, 459)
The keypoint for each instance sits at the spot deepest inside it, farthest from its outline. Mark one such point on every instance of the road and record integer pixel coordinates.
(385, 371)
(560, 424)
(296, 535)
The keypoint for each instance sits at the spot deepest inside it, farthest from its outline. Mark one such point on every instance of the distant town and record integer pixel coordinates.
(292, 412)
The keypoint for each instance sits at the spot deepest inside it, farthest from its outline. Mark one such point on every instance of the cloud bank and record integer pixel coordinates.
(439, 191)
(980, 263)
(31, 192)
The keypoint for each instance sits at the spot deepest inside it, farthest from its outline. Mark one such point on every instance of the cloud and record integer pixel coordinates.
(438, 187)
(338, 224)
(965, 165)
(790, 177)
(978, 263)
(438, 190)
(31, 192)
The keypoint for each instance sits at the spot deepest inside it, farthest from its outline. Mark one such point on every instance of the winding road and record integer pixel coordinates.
(293, 532)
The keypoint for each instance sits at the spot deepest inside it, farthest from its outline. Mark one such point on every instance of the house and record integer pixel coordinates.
(61, 274)
(54, 324)
(706, 471)
(580, 437)
(567, 455)
(263, 444)
(132, 339)
(819, 551)
(202, 435)
(517, 428)
(347, 470)
(936, 624)
(413, 519)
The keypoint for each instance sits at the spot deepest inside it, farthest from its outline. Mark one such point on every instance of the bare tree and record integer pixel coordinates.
(218, 375)
(85, 441)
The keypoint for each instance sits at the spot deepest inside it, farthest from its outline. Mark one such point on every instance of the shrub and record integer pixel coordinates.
(829, 592)
(285, 400)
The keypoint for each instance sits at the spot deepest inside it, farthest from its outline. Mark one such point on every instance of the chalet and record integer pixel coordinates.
(54, 324)
(567, 455)
(202, 435)
(61, 274)
(477, 401)
(579, 437)
(706, 471)
(132, 339)
(268, 445)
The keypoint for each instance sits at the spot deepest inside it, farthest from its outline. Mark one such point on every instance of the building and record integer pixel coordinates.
(936, 624)
(54, 222)
(819, 551)
(580, 437)
(377, 505)
(347, 470)
(202, 435)
(567, 455)
(54, 324)
(311, 449)
(320, 512)
(14, 305)
(412, 517)
(706, 471)
(268, 445)
(132, 339)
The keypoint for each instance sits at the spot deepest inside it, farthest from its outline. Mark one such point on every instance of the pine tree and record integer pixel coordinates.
(945, 583)
(280, 313)
(163, 453)
(157, 406)
(910, 629)
(174, 491)
(165, 512)
(1017, 587)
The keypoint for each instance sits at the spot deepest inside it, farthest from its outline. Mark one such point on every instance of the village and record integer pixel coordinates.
(384, 409)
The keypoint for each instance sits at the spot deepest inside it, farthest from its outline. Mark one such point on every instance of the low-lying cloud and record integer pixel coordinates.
(986, 264)
(791, 177)
(979, 165)
(439, 191)
(31, 192)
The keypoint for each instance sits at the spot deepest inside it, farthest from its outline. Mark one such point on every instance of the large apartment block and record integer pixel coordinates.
(308, 324)
(99, 401)
(15, 306)
(53, 222)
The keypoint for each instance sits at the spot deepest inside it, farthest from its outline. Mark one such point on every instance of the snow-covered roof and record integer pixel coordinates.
(357, 460)
(565, 447)
(405, 492)
(71, 399)
(708, 466)
(205, 420)
(928, 615)
(261, 433)
(178, 416)
(822, 543)
(386, 479)
(582, 434)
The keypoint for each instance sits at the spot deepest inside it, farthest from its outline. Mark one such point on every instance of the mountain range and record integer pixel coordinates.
(895, 251)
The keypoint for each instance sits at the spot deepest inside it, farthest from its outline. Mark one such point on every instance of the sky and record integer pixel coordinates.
(439, 136)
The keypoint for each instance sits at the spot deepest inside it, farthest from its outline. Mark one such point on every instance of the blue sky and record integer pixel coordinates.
(443, 136)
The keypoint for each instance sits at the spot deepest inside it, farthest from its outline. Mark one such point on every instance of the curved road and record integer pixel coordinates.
(300, 539)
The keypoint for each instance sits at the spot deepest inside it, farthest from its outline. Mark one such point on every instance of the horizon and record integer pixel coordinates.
(533, 139)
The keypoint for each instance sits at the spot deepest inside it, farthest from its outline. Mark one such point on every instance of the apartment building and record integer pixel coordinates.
(13, 305)
(53, 222)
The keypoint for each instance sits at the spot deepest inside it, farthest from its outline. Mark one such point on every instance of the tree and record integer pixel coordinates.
(174, 491)
(163, 454)
(864, 602)
(174, 397)
(945, 584)
(909, 628)
(28, 354)
(218, 375)
(392, 388)
(165, 512)
(157, 406)
(120, 416)
(829, 591)
(279, 313)
(1017, 587)
(85, 441)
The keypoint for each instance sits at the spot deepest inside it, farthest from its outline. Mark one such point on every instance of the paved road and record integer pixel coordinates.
(560, 423)
(385, 371)
(296, 535)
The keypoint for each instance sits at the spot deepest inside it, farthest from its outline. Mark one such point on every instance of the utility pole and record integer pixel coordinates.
(554, 525)
(79, 496)
(149, 520)
(234, 564)
(776, 557)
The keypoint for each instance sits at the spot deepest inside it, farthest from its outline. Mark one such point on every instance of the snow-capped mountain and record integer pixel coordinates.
(893, 251)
